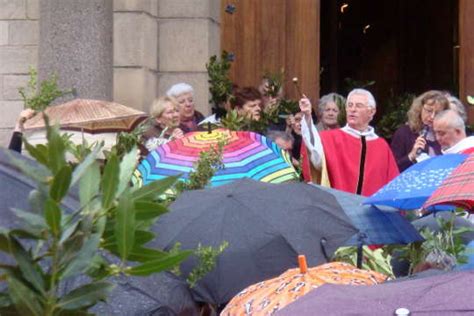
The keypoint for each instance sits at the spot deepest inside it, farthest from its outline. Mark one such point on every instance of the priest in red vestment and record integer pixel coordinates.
(352, 158)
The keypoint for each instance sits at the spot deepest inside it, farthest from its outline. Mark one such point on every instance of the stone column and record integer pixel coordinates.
(189, 34)
(135, 52)
(76, 44)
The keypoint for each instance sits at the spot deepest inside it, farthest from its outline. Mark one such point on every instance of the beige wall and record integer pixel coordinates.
(18, 51)
(160, 43)
(157, 43)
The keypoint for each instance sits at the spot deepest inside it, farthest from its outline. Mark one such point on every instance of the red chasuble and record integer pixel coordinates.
(353, 166)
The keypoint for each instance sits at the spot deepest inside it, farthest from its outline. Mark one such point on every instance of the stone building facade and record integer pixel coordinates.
(156, 43)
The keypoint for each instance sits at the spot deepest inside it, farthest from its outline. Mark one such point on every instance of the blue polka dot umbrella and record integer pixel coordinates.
(245, 155)
(415, 185)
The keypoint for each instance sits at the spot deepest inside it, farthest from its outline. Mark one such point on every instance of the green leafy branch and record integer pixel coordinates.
(39, 98)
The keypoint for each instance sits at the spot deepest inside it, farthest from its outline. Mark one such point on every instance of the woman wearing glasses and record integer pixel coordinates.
(415, 140)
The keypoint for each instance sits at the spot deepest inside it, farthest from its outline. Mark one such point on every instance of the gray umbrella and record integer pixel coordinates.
(266, 226)
(446, 294)
(15, 188)
(160, 294)
(379, 227)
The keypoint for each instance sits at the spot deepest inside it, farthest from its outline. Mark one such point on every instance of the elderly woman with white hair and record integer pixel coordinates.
(329, 108)
(189, 117)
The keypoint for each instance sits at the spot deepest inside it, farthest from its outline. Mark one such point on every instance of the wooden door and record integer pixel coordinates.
(466, 53)
(268, 35)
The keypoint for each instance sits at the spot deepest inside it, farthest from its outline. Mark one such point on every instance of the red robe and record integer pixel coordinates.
(343, 160)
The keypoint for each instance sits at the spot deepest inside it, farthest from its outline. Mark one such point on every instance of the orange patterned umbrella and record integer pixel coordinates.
(90, 116)
(265, 298)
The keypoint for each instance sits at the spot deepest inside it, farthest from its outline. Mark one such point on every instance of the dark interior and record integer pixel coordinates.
(409, 47)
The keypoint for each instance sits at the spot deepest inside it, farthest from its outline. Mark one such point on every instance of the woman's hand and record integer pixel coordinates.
(22, 118)
(177, 133)
(420, 143)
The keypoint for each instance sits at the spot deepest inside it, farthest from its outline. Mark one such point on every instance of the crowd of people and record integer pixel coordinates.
(348, 155)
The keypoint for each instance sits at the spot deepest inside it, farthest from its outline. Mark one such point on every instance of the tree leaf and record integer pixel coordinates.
(89, 185)
(61, 183)
(142, 254)
(127, 167)
(110, 181)
(85, 164)
(159, 265)
(25, 300)
(155, 189)
(82, 260)
(86, 295)
(30, 271)
(36, 172)
(125, 226)
(40, 153)
(56, 149)
(52, 214)
(142, 237)
(146, 210)
(32, 221)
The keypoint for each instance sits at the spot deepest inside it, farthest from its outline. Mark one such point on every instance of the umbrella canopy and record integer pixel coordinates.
(90, 116)
(457, 189)
(446, 294)
(246, 155)
(157, 294)
(414, 186)
(267, 297)
(266, 225)
(15, 188)
(377, 226)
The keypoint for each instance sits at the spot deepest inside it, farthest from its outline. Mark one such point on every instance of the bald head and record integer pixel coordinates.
(449, 128)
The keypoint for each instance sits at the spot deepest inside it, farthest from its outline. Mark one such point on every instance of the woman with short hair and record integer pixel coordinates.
(189, 116)
(165, 125)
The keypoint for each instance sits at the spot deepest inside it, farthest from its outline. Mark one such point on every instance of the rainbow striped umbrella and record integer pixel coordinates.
(246, 155)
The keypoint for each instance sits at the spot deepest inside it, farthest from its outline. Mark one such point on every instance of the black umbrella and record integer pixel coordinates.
(266, 226)
(158, 294)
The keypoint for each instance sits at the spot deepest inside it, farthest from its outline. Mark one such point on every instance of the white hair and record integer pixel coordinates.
(456, 105)
(451, 117)
(370, 98)
(178, 89)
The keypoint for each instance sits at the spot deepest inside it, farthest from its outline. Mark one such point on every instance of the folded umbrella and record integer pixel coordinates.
(266, 225)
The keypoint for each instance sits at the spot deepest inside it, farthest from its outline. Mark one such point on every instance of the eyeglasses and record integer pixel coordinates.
(358, 106)
(429, 111)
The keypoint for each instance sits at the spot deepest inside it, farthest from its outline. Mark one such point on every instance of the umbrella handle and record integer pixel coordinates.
(361, 237)
(322, 242)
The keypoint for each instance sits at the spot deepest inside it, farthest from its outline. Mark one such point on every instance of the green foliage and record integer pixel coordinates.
(220, 85)
(395, 114)
(39, 98)
(205, 168)
(126, 141)
(207, 258)
(375, 260)
(112, 217)
(447, 240)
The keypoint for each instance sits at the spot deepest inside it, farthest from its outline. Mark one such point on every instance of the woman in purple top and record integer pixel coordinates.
(417, 135)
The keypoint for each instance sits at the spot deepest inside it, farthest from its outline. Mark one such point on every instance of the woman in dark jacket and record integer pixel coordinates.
(417, 135)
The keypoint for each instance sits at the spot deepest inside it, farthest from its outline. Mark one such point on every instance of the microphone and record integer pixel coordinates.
(423, 133)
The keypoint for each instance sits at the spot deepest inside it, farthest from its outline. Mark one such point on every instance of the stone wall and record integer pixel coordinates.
(19, 31)
(156, 43)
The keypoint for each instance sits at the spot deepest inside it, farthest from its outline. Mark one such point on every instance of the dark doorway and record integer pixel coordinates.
(405, 46)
